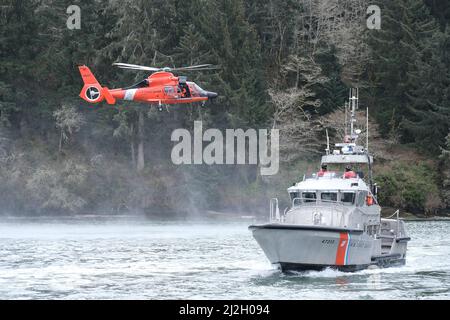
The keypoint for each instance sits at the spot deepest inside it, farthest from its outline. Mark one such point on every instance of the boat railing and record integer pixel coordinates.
(397, 217)
(329, 175)
(274, 210)
(313, 201)
(336, 211)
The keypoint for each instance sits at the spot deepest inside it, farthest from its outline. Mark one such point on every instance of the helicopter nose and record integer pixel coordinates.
(211, 95)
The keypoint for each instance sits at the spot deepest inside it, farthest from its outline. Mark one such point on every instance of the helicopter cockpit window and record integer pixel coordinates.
(168, 90)
(185, 91)
(199, 90)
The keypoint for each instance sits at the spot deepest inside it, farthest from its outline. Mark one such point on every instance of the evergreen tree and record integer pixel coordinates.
(238, 53)
(408, 74)
(445, 172)
(441, 10)
(332, 92)
(428, 121)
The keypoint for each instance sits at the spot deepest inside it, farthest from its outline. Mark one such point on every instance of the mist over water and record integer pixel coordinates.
(140, 259)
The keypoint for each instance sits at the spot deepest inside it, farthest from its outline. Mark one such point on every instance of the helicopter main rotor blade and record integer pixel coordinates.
(197, 68)
(135, 67)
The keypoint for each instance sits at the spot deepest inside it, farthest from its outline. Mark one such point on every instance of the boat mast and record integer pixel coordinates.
(353, 106)
(367, 130)
(327, 150)
(345, 121)
(350, 101)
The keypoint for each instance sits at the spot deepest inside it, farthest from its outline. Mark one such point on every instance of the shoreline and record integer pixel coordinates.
(209, 216)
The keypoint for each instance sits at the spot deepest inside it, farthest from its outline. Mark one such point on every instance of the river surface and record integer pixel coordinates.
(78, 259)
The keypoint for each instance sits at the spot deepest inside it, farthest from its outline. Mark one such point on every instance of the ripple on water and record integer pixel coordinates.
(196, 261)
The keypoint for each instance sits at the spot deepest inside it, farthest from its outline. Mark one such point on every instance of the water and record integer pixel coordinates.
(178, 260)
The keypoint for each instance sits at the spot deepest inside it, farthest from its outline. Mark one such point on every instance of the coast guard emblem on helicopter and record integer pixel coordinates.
(92, 93)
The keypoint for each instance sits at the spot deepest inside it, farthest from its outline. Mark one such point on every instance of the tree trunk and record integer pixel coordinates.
(132, 149)
(133, 154)
(140, 159)
(60, 142)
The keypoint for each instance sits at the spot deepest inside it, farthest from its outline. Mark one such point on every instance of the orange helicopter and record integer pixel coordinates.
(161, 87)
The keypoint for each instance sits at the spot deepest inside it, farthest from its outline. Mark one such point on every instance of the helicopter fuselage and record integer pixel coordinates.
(159, 88)
(164, 88)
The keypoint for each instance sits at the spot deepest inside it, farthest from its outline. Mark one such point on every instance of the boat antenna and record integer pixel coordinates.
(327, 150)
(367, 130)
(345, 121)
(349, 105)
(353, 101)
(357, 98)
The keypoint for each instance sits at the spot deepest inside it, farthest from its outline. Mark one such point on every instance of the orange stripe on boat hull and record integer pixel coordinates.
(342, 249)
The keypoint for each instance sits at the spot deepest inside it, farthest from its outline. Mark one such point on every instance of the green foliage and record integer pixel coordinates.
(413, 187)
(7, 103)
(440, 10)
(410, 72)
(333, 92)
(444, 169)
(68, 120)
(58, 187)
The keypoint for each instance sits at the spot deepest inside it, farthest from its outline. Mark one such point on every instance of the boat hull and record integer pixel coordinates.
(286, 267)
(300, 247)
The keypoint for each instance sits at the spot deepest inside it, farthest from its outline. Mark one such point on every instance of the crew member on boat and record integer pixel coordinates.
(349, 173)
(323, 170)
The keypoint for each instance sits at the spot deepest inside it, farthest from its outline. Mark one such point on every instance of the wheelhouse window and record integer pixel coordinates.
(348, 197)
(328, 196)
(294, 195)
(361, 198)
(309, 197)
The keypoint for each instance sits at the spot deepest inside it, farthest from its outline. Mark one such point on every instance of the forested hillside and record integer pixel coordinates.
(284, 64)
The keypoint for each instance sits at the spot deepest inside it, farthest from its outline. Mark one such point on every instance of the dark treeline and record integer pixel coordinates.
(284, 64)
